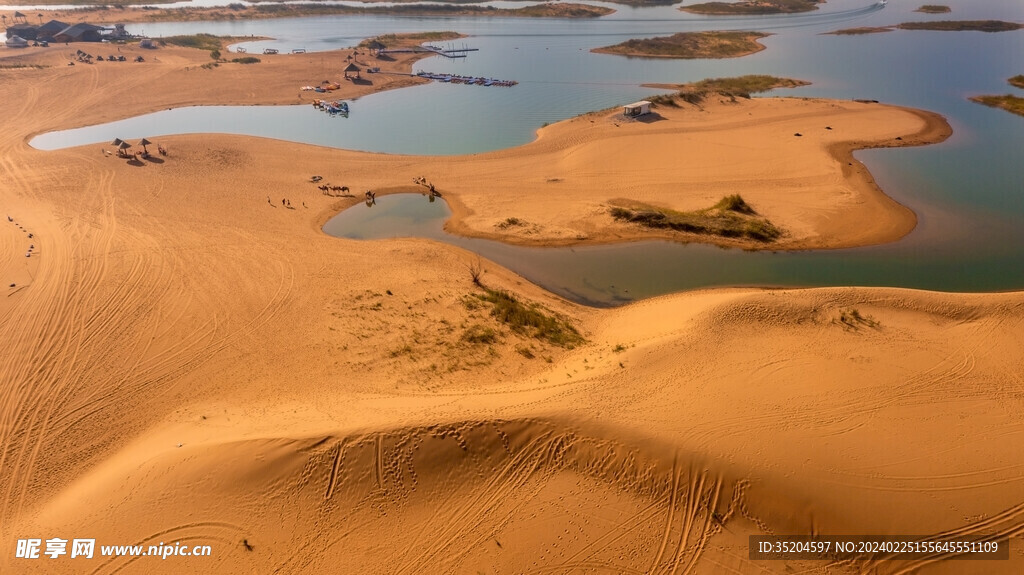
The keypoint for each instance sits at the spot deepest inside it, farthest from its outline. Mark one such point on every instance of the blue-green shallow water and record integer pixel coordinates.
(968, 192)
(609, 275)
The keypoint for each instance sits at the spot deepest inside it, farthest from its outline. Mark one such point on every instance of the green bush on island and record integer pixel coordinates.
(392, 40)
(712, 44)
(731, 217)
(963, 25)
(736, 87)
(934, 9)
(1017, 81)
(199, 41)
(1009, 102)
(753, 7)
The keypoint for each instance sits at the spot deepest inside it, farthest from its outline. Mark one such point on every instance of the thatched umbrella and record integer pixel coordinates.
(117, 142)
(123, 148)
(144, 142)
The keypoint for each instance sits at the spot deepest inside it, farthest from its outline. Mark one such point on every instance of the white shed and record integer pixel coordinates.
(636, 109)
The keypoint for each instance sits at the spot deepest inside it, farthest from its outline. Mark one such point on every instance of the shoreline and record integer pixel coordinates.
(901, 219)
(890, 220)
(274, 10)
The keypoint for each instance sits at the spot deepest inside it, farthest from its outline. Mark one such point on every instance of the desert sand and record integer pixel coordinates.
(183, 362)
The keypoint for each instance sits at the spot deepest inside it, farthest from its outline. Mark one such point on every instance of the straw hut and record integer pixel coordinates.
(351, 69)
(375, 46)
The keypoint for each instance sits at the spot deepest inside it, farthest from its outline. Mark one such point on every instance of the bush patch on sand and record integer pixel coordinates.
(731, 217)
(394, 40)
(477, 333)
(690, 45)
(198, 41)
(853, 319)
(246, 60)
(530, 319)
(736, 87)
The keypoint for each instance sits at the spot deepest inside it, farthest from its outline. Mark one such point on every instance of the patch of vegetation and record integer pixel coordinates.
(393, 40)
(664, 100)
(477, 333)
(22, 66)
(200, 41)
(559, 10)
(862, 30)
(1017, 81)
(934, 9)
(619, 348)
(525, 352)
(753, 7)
(246, 60)
(740, 86)
(690, 45)
(961, 25)
(853, 319)
(1008, 102)
(749, 84)
(735, 203)
(731, 217)
(530, 319)
(510, 222)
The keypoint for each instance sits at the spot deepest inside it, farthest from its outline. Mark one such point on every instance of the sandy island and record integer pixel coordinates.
(183, 362)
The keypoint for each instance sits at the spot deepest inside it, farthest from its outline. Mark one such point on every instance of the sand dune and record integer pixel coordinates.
(186, 363)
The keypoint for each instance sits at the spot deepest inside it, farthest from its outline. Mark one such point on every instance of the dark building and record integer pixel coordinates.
(80, 33)
(50, 29)
(26, 31)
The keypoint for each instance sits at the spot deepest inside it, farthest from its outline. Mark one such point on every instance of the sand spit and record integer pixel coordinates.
(183, 362)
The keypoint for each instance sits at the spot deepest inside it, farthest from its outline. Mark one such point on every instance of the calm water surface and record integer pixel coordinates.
(967, 192)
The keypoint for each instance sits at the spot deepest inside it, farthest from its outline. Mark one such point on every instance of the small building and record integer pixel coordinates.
(636, 109)
(119, 33)
(147, 43)
(375, 46)
(16, 42)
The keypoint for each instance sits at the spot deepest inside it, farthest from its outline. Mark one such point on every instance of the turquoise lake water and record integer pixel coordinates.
(968, 192)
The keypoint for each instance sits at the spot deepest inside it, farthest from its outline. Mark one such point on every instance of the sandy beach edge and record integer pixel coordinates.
(903, 219)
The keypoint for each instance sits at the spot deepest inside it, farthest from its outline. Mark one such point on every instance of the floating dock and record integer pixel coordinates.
(469, 80)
